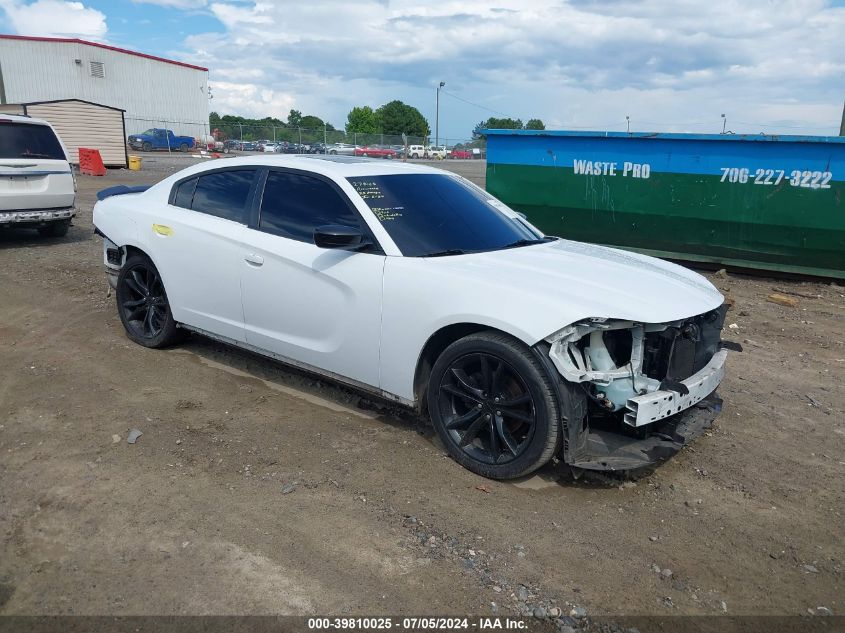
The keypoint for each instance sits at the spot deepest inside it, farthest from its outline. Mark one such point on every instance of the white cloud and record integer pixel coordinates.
(249, 100)
(176, 4)
(55, 18)
(676, 63)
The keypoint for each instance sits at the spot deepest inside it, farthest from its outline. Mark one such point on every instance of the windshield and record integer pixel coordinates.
(27, 140)
(150, 132)
(437, 214)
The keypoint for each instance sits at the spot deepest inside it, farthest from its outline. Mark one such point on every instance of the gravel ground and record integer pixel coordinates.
(258, 489)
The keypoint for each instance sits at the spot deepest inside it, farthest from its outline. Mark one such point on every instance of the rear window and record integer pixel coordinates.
(223, 194)
(28, 140)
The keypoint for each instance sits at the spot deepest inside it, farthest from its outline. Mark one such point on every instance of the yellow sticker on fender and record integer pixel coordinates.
(162, 230)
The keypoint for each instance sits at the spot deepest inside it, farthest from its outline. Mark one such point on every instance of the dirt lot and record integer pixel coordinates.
(255, 489)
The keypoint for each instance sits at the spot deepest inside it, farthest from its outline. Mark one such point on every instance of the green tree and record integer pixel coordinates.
(311, 122)
(294, 118)
(494, 123)
(535, 124)
(362, 120)
(397, 118)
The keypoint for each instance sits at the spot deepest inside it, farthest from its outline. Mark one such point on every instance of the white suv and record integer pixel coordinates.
(416, 151)
(436, 153)
(37, 186)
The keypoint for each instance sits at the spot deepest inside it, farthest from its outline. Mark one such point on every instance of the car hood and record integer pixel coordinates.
(579, 280)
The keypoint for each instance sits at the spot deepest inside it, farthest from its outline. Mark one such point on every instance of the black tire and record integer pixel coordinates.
(491, 387)
(183, 147)
(147, 147)
(142, 304)
(333, 152)
(54, 229)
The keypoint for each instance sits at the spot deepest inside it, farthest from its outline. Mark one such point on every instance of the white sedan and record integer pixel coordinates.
(415, 285)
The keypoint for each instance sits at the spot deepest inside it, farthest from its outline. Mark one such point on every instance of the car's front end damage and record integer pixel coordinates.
(650, 387)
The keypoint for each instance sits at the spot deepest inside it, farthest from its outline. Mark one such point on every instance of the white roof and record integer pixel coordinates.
(334, 166)
(19, 118)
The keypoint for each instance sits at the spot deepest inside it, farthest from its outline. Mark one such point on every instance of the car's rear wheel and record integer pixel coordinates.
(494, 406)
(55, 229)
(147, 147)
(142, 304)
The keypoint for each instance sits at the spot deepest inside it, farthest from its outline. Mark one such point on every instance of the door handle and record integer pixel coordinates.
(253, 259)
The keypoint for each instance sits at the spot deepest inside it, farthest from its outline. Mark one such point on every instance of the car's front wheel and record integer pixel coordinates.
(494, 406)
(142, 304)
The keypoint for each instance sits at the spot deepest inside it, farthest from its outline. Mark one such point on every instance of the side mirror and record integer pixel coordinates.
(338, 236)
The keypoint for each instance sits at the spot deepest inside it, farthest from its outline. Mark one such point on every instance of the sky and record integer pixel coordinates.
(772, 66)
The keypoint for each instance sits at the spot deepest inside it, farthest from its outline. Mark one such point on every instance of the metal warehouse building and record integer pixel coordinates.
(153, 91)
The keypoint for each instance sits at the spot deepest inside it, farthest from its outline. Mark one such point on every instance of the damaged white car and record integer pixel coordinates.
(413, 284)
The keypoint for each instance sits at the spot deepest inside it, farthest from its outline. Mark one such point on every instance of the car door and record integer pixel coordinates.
(197, 245)
(315, 306)
(161, 139)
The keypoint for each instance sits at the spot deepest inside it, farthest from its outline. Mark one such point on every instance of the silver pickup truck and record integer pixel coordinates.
(37, 185)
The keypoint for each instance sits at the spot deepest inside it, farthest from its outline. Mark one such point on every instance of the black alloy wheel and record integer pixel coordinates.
(494, 406)
(487, 408)
(142, 304)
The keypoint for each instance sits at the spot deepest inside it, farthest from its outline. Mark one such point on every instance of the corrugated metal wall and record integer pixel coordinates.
(85, 125)
(149, 90)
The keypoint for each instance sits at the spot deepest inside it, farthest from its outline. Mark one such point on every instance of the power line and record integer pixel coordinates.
(454, 96)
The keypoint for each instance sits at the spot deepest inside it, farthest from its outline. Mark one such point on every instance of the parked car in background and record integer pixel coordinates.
(318, 148)
(416, 151)
(341, 149)
(158, 139)
(519, 346)
(375, 151)
(213, 145)
(248, 146)
(459, 153)
(436, 152)
(269, 147)
(37, 185)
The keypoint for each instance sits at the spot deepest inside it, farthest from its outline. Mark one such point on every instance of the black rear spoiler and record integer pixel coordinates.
(120, 190)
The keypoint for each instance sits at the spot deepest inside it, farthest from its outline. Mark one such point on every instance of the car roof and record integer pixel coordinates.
(327, 165)
(19, 118)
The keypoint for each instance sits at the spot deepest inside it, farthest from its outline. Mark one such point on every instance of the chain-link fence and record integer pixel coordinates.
(220, 135)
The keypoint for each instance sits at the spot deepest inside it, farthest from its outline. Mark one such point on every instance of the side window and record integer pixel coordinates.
(223, 194)
(185, 193)
(294, 205)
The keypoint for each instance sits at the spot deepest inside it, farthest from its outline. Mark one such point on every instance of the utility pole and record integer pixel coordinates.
(842, 125)
(437, 116)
